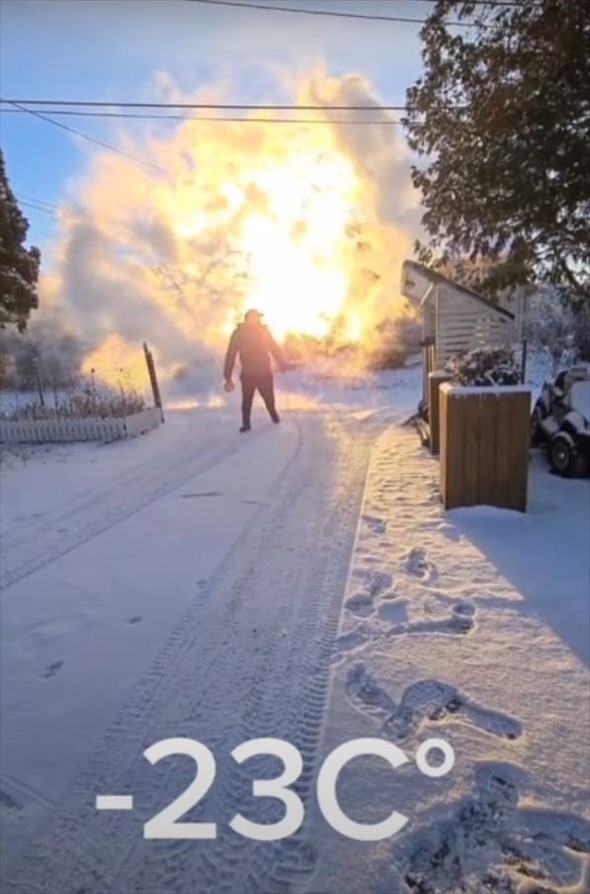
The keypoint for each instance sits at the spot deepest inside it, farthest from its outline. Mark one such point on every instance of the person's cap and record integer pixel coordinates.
(252, 314)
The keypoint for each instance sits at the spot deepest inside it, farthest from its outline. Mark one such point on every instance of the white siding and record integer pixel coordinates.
(463, 324)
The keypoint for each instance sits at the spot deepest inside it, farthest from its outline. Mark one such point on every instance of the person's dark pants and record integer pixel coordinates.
(263, 383)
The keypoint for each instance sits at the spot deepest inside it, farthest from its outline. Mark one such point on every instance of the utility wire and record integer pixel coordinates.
(321, 12)
(22, 198)
(507, 3)
(229, 107)
(36, 207)
(85, 136)
(367, 17)
(256, 120)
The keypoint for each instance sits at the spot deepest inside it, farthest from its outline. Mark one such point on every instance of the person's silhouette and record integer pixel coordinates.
(252, 342)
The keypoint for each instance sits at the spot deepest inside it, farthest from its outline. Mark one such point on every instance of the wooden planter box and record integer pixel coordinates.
(484, 446)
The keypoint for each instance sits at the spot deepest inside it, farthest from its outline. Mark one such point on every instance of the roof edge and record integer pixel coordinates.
(436, 277)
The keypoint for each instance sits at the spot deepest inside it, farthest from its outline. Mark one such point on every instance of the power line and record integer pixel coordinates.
(36, 207)
(60, 124)
(507, 3)
(23, 197)
(321, 12)
(367, 17)
(242, 120)
(211, 106)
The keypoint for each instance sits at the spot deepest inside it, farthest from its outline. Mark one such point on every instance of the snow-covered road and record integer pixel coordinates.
(301, 583)
(195, 593)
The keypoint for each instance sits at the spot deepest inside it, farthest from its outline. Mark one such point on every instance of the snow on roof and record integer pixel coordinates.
(434, 277)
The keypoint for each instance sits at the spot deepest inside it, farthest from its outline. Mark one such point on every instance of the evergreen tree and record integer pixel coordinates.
(19, 266)
(500, 121)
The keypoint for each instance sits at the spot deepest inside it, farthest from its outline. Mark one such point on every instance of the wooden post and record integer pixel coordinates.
(435, 380)
(39, 382)
(523, 361)
(153, 379)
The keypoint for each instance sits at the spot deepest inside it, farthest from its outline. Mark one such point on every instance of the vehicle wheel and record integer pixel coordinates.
(562, 455)
(537, 435)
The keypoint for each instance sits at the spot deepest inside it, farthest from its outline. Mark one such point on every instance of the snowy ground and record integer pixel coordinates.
(302, 583)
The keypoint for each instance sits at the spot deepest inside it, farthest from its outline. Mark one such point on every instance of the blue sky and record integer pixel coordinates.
(112, 49)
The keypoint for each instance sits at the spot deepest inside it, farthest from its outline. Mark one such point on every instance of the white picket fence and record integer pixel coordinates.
(43, 431)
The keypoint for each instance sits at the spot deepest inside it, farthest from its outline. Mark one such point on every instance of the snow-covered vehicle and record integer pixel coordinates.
(561, 421)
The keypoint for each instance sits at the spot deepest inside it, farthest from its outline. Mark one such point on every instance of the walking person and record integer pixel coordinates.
(253, 343)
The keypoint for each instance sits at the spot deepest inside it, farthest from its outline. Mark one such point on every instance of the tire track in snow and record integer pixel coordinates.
(134, 729)
(102, 508)
(250, 658)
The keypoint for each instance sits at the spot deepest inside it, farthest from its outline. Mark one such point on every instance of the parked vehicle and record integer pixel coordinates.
(561, 421)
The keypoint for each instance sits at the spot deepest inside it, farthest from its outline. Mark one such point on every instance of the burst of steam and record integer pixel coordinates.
(308, 223)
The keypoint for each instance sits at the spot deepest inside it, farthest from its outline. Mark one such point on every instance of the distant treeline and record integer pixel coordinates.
(56, 357)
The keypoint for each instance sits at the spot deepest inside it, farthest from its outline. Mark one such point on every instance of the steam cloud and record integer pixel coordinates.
(308, 222)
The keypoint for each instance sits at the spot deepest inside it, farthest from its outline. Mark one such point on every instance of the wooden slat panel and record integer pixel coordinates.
(473, 436)
(504, 447)
(435, 380)
(468, 319)
(462, 320)
(470, 331)
(444, 443)
(517, 428)
(473, 332)
(484, 448)
(452, 448)
(488, 423)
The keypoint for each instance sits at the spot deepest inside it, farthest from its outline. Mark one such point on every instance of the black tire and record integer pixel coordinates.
(537, 435)
(562, 455)
(423, 410)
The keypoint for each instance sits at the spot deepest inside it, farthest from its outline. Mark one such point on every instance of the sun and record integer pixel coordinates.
(296, 247)
(296, 289)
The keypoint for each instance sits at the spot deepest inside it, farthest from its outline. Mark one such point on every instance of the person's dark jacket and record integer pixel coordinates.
(254, 345)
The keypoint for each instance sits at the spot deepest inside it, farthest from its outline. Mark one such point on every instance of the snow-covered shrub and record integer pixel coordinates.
(44, 347)
(409, 334)
(87, 401)
(484, 366)
(557, 329)
(387, 356)
(393, 341)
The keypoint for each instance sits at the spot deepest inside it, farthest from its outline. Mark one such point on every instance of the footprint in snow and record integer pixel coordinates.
(492, 842)
(366, 693)
(375, 524)
(294, 859)
(424, 702)
(373, 584)
(378, 581)
(393, 611)
(348, 642)
(416, 564)
(361, 605)
(460, 622)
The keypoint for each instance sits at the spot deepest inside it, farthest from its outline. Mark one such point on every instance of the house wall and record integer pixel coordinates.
(463, 324)
(515, 300)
